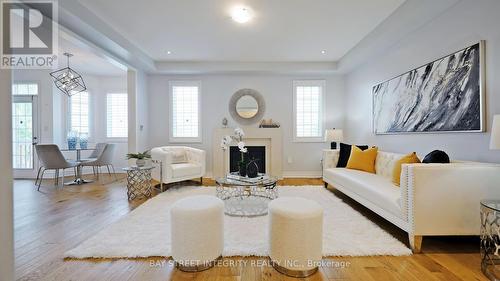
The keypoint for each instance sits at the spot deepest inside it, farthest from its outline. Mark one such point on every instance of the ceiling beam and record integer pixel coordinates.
(213, 67)
(84, 23)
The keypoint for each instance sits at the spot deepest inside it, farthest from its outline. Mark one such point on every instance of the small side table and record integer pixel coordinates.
(139, 182)
(490, 238)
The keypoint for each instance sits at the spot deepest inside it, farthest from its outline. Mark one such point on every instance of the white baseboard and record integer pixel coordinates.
(287, 174)
(302, 174)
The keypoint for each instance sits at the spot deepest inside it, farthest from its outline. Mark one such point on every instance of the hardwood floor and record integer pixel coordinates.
(52, 221)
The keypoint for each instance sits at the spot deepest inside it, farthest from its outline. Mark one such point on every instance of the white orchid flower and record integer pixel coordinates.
(239, 132)
(241, 146)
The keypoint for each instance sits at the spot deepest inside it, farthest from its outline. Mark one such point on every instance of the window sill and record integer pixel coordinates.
(185, 140)
(308, 140)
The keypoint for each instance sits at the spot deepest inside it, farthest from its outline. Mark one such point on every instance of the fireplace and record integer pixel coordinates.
(254, 152)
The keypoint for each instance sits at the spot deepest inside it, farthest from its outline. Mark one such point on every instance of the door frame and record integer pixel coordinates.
(34, 99)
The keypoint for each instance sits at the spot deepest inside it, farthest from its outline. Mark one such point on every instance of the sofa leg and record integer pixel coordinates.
(326, 185)
(415, 243)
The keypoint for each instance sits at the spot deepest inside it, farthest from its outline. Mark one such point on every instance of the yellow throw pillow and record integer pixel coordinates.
(363, 160)
(407, 159)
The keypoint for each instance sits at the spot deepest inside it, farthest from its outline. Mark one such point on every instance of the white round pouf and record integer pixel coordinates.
(197, 232)
(295, 235)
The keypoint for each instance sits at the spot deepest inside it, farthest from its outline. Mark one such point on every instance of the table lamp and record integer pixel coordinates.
(495, 133)
(336, 135)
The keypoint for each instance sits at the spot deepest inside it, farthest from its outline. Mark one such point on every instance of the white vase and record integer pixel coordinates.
(140, 162)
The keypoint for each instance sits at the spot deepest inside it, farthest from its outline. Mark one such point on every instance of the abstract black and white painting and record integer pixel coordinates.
(442, 96)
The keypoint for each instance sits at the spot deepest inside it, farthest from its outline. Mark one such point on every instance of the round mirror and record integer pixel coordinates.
(247, 107)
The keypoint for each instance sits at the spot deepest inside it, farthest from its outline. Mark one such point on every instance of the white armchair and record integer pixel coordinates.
(179, 163)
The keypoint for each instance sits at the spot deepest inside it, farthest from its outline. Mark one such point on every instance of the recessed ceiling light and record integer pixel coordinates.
(241, 14)
(323, 52)
(169, 52)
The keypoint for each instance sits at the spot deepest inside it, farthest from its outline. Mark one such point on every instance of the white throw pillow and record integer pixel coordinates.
(179, 156)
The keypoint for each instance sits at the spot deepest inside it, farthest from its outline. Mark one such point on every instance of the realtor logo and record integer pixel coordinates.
(29, 34)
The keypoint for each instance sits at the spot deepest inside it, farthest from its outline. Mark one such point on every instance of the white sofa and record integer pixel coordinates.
(192, 164)
(433, 199)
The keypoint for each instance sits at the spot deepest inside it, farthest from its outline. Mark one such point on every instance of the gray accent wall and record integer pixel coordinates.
(458, 27)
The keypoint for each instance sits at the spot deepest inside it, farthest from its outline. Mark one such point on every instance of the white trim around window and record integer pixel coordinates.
(308, 110)
(186, 97)
(116, 116)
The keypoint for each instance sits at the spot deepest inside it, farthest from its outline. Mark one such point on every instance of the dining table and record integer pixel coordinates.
(78, 179)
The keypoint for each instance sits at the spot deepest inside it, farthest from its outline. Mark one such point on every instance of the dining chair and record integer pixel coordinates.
(105, 158)
(99, 148)
(51, 158)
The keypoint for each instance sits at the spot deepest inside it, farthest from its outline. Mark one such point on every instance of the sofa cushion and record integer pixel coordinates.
(411, 158)
(363, 160)
(179, 156)
(375, 188)
(345, 153)
(185, 169)
(384, 164)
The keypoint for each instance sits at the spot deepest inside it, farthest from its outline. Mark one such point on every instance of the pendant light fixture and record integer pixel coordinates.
(67, 80)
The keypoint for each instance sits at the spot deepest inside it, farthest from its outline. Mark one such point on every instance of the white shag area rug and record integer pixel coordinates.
(145, 232)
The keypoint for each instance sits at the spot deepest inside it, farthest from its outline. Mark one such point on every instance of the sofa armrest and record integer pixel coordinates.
(197, 156)
(443, 199)
(165, 157)
(330, 158)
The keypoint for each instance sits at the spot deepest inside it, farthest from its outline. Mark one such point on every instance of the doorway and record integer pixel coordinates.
(24, 129)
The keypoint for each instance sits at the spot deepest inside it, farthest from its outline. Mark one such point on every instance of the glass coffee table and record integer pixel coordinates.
(246, 198)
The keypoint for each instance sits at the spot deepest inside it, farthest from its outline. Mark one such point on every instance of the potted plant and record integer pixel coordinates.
(237, 137)
(140, 157)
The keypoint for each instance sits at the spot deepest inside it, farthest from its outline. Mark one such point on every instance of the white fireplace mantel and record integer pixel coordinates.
(271, 136)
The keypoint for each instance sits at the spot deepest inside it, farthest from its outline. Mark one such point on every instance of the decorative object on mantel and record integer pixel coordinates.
(237, 137)
(333, 136)
(446, 95)
(495, 133)
(268, 123)
(140, 157)
(224, 122)
(247, 106)
(68, 80)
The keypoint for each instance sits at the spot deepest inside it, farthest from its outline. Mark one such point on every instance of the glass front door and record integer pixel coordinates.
(24, 135)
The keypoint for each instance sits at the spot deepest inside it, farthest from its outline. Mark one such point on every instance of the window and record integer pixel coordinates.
(185, 111)
(79, 113)
(308, 110)
(25, 89)
(116, 115)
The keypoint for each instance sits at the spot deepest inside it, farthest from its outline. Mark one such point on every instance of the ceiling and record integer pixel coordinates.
(85, 60)
(281, 31)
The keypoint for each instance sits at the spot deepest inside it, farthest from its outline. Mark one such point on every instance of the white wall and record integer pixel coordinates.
(462, 25)
(216, 90)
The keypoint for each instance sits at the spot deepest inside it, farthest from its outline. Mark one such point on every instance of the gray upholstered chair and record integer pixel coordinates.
(51, 158)
(99, 148)
(105, 158)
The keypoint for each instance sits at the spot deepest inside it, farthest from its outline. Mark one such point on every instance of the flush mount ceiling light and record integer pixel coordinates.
(241, 14)
(323, 52)
(169, 52)
(67, 80)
